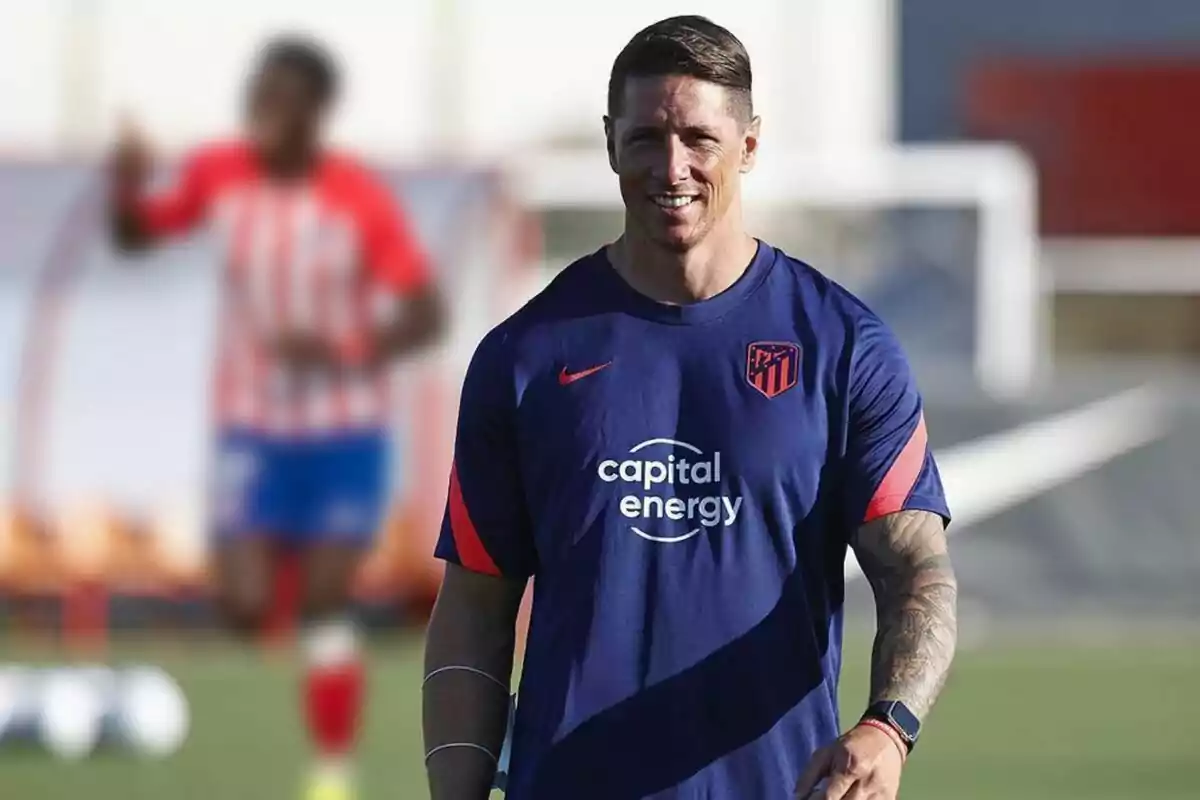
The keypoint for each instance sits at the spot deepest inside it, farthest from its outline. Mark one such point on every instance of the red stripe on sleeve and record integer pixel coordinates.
(471, 551)
(900, 479)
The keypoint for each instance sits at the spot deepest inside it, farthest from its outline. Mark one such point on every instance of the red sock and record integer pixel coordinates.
(285, 599)
(333, 689)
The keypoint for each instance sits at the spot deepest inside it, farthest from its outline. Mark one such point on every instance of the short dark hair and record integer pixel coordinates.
(686, 45)
(308, 57)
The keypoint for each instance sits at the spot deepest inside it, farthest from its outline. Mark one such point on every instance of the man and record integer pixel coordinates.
(678, 439)
(315, 252)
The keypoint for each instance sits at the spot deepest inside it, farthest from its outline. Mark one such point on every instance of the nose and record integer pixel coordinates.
(675, 165)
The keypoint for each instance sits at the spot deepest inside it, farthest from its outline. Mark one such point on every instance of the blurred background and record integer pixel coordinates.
(1013, 186)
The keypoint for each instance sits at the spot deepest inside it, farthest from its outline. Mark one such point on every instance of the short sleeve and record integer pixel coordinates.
(486, 526)
(889, 463)
(182, 206)
(394, 256)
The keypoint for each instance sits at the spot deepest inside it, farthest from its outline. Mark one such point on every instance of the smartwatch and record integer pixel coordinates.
(899, 718)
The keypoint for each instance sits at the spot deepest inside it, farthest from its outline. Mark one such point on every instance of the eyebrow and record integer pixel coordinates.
(690, 130)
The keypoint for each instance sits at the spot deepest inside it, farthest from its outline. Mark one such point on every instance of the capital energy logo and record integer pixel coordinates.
(673, 490)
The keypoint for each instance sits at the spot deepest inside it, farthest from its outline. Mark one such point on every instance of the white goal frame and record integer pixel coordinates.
(1012, 341)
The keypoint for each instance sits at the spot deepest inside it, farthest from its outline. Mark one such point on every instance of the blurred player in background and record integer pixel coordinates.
(324, 285)
(678, 440)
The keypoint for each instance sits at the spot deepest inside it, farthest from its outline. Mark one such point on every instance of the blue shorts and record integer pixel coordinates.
(300, 491)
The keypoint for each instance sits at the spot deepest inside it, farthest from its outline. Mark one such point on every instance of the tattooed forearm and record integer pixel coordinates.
(904, 557)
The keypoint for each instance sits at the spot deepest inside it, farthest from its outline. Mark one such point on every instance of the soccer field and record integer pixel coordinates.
(1018, 722)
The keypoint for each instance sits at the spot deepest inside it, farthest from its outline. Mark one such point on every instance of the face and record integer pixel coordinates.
(284, 113)
(679, 149)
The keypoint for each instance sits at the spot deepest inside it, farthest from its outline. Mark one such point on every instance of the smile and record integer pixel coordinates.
(673, 200)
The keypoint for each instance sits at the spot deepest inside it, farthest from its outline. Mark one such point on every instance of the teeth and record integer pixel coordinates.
(673, 201)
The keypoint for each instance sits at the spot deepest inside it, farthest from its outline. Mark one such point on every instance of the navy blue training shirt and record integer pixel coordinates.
(681, 483)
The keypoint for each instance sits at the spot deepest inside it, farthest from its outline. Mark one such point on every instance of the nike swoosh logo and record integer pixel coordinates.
(565, 377)
(987, 476)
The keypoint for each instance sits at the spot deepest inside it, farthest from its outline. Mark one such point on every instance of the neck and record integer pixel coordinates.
(681, 277)
(289, 165)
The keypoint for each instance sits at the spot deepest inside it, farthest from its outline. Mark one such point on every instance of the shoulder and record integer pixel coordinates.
(352, 184)
(855, 344)
(829, 306)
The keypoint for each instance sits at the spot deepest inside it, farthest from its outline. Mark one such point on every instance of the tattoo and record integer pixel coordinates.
(905, 558)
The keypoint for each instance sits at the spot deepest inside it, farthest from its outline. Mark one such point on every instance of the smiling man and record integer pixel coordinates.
(679, 438)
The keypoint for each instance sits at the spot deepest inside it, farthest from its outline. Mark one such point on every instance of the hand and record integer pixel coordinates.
(304, 351)
(864, 764)
(307, 353)
(131, 159)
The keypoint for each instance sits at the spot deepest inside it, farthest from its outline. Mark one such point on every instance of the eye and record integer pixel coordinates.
(703, 139)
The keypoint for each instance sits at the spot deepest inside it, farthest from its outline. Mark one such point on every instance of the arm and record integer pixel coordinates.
(136, 220)
(420, 323)
(473, 625)
(905, 558)
(399, 265)
(896, 515)
(487, 540)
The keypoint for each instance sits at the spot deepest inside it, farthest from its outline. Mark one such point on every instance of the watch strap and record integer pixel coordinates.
(899, 718)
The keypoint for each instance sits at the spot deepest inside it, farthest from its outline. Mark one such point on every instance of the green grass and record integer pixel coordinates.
(1017, 721)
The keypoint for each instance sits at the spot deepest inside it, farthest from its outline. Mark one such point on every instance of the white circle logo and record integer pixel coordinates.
(693, 500)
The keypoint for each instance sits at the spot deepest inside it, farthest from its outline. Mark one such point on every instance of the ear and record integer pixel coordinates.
(750, 144)
(610, 143)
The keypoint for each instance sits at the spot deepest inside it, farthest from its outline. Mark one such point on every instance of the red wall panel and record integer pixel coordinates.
(1117, 144)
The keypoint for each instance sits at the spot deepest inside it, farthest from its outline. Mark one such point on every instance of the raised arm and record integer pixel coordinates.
(137, 219)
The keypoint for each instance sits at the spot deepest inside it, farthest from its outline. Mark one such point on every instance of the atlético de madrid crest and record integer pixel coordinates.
(772, 367)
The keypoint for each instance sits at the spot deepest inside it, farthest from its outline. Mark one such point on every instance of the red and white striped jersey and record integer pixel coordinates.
(328, 255)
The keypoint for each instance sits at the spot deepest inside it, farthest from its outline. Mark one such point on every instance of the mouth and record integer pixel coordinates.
(674, 202)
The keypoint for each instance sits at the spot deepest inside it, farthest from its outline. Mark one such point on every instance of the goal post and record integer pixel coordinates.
(998, 182)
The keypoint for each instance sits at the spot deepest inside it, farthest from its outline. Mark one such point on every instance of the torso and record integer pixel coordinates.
(293, 260)
(687, 524)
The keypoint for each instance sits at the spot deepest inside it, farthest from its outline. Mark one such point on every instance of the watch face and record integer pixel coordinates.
(905, 719)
